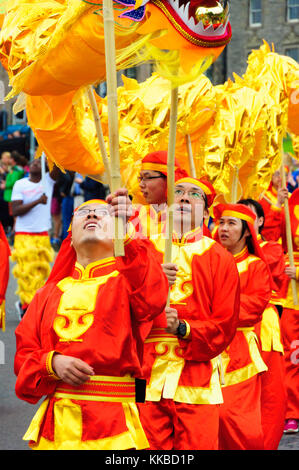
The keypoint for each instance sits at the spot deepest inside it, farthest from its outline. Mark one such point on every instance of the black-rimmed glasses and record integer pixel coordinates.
(147, 178)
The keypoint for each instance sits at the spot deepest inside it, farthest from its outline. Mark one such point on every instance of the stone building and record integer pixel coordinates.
(275, 21)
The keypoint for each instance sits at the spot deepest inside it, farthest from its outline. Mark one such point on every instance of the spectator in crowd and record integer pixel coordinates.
(77, 191)
(16, 172)
(93, 189)
(31, 205)
(5, 161)
(56, 217)
(65, 183)
(5, 218)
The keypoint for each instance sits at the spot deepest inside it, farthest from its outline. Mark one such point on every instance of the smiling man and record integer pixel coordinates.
(183, 386)
(80, 343)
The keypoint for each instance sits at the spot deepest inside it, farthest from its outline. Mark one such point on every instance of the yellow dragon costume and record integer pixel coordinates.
(53, 49)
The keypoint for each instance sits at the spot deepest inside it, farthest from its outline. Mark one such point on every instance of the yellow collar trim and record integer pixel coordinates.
(87, 272)
(242, 252)
(186, 236)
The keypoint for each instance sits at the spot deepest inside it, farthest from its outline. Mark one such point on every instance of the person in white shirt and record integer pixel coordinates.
(31, 205)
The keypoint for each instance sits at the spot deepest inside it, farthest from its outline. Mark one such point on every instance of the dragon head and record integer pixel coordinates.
(58, 45)
(202, 22)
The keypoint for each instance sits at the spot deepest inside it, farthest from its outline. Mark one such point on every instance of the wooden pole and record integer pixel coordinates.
(171, 176)
(100, 136)
(235, 186)
(190, 156)
(111, 78)
(289, 234)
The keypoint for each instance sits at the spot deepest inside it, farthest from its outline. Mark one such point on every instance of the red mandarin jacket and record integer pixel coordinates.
(100, 314)
(268, 330)
(242, 359)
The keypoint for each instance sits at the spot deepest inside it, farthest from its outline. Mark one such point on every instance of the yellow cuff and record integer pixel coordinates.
(188, 329)
(297, 273)
(2, 315)
(49, 366)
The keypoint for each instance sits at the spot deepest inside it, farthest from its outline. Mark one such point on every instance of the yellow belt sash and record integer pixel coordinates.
(256, 365)
(100, 388)
(69, 421)
(167, 369)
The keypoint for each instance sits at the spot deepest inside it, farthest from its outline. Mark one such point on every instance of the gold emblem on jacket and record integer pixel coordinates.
(74, 314)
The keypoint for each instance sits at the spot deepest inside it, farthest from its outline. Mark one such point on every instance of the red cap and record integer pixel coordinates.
(240, 211)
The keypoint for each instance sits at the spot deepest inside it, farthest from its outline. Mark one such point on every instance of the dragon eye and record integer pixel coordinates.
(212, 12)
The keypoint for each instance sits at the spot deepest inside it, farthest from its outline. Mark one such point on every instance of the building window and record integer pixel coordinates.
(19, 118)
(131, 72)
(102, 89)
(255, 12)
(293, 52)
(293, 10)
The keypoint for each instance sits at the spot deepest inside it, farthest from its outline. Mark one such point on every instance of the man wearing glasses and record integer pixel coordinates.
(180, 363)
(150, 218)
(80, 343)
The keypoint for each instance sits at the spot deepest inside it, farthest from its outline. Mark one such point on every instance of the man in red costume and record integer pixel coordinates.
(150, 219)
(80, 343)
(181, 365)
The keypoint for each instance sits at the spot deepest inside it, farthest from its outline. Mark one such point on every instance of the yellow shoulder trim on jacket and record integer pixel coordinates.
(243, 265)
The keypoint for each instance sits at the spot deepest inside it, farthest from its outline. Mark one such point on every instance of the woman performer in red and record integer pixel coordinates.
(273, 396)
(240, 415)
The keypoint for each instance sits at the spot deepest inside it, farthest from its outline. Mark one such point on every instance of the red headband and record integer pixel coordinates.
(203, 184)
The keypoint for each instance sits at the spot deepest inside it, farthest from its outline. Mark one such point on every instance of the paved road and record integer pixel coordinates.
(15, 415)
